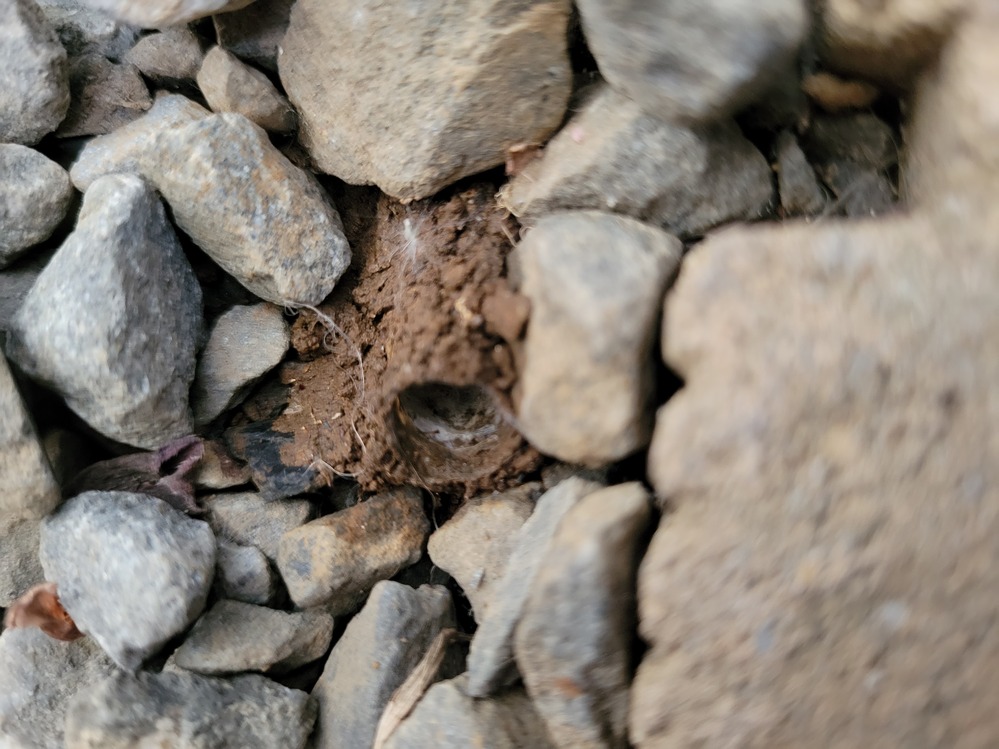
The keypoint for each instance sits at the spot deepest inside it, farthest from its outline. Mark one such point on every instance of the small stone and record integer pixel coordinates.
(169, 58)
(800, 192)
(249, 519)
(694, 60)
(447, 718)
(377, 651)
(154, 14)
(242, 573)
(835, 94)
(475, 544)
(119, 152)
(131, 571)
(264, 220)
(113, 321)
(556, 473)
(39, 676)
(218, 469)
(34, 197)
(491, 74)
(233, 86)
(491, 662)
(104, 96)
(191, 711)
(335, 560)
(85, 31)
(245, 343)
(596, 283)
(20, 567)
(34, 78)
(261, 447)
(573, 642)
(254, 33)
(232, 637)
(613, 157)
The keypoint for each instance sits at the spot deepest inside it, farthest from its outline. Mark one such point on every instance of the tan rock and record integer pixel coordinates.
(230, 85)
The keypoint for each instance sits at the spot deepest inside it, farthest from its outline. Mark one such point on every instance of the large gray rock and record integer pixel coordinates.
(243, 573)
(447, 718)
(38, 678)
(573, 642)
(457, 85)
(119, 152)
(596, 282)
(34, 196)
(264, 220)
(34, 80)
(83, 30)
(230, 85)
(170, 57)
(255, 32)
(232, 637)
(249, 519)
(379, 648)
(132, 571)
(113, 321)
(475, 544)
(154, 14)
(190, 711)
(245, 343)
(696, 60)
(335, 560)
(491, 662)
(611, 156)
(104, 96)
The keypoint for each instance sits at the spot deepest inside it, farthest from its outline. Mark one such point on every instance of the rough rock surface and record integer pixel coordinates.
(596, 282)
(34, 197)
(475, 544)
(132, 571)
(83, 30)
(169, 57)
(34, 81)
(125, 365)
(244, 344)
(573, 642)
(232, 637)
(834, 524)
(38, 678)
(243, 573)
(230, 85)
(15, 283)
(379, 648)
(613, 157)
(665, 53)
(104, 96)
(799, 189)
(491, 662)
(20, 567)
(153, 14)
(458, 84)
(447, 718)
(190, 711)
(248, 519)
(119, 152)
(264, 220)
(335, 560)
(254, 33)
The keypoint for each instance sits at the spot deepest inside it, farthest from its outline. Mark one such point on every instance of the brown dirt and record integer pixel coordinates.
(412, 385)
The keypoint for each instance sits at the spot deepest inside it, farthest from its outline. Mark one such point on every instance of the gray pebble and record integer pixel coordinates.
(35, 194)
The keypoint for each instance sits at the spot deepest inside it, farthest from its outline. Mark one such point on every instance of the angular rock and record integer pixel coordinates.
(242, 573)
(694, 60)
(573, 642)
(233, 86)
(249, 519)
(34, 80)
(447, 718)
(554, 474)
(254, 33)
(491, 662)
(475, 544)
(262, 448)
(153, 14)
(20, 567)
(189, 710)
(799, 189)
(376, 653)
(132, 572)
(170, 57)
(613, 157)
(104, 96)
(114, 319)
(218, 469)
(119, 152)
(245, 343)
(39, 676)
(264, 220)
(34, 197)
(83, 30)
(490, 75)
(232, 637)
(596, 282)
(335, 560)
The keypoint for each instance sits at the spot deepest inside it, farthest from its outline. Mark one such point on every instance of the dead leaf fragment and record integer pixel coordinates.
(835, 94)
(39, 607)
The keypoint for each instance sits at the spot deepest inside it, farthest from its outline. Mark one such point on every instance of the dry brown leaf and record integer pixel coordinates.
(39, 607)
(835, 94)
